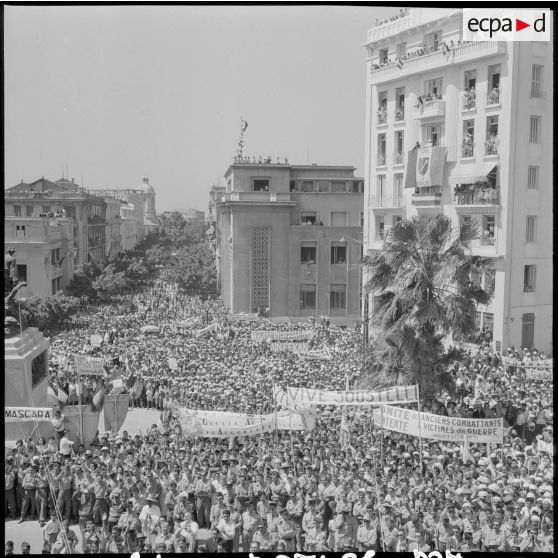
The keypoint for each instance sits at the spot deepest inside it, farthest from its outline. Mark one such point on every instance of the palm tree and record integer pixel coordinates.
(428, 286)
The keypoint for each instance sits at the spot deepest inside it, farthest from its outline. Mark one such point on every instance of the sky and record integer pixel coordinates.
(109, 94)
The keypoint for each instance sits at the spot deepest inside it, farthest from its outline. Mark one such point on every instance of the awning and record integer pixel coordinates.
(464, 175)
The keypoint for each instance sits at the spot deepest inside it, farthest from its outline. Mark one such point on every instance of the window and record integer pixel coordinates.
(38, 368)
(536, 80)
(338, 218)
(399, 103)
(260, 184)
(478, 316)
(337, 187)
(307, 296)
(468, 138)
(433, 135)
(338, 253)
(491, 135)
(292, 185)
(433, 40)
(307, 186)
(533, 177)
(46, 208)
(529, 277)
(488, 237)
(399, 147)
(308, 253)
(534, 129)
(308, 218)
(21, 271)
(465, 226)
(337, 297)
(17, 210)
(528, 330)
(380, 189)
(380, 227)
(382, 107)
(493, 87)
(488, 321)
(29, 211)
(401, 50)
(531, 228)
(362, 218)
(20, 231)
(489, 281)
(381, 149)
(384, 56)
(323, 185)
(55, 285)
(398, 190)
(54, 256)
(433, 88)
(470, 80)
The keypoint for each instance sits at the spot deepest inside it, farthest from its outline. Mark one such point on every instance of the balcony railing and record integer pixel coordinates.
(491, 146)
(430, 108)
(469, 100)
(431, 195)
(399, 115)
(493, 96)
(398, 159)
(382, 117)
(381, 160)
(487, 241)
(472, 194)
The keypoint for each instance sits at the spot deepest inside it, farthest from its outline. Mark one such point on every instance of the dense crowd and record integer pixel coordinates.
(282, 491)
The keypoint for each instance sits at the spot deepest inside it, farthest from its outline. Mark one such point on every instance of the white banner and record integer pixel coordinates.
(295, 346)
(439, 427)
(200, 332)
(396, 394)
(546, 364)
(221, 423)
(242, 317)
(92, 366)
(284, 402)
(281, 335)
(27, 414)
(96, 340)
(173, 363)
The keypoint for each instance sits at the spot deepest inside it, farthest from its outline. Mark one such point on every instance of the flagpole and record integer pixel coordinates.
(80, 407)
(275, 410)
(382, 435)
(420, 432)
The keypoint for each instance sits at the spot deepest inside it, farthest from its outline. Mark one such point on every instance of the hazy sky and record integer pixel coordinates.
(115, 93)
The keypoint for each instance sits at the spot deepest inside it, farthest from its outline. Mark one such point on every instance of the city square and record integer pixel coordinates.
(334, 357)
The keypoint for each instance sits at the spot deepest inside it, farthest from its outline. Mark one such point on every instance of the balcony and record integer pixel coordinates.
(416, 64)
(467, 149)
(469, 100)
(493, 97)
(476, 194)
(431, 195)
(399, 115)
(434, 108)
(382, 117)
(381, 160)
(491, 146)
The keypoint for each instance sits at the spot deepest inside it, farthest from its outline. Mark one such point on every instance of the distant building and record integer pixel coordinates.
(480, 115)
(288, 240)
(44, 198)
(44, 251)
(128, 226)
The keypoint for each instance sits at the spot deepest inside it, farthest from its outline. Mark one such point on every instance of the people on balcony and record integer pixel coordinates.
(492, 144)
(469, 98)
(494, 96)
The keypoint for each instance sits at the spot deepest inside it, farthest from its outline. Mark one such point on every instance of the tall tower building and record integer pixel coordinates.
(465, 129)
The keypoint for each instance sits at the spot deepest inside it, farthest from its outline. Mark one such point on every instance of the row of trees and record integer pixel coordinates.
(428, 287)
(179, 251)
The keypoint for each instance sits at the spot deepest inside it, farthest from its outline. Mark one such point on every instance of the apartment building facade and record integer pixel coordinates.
(465, 129)
(289, 240)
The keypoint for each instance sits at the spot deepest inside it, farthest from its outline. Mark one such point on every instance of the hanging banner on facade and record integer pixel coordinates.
(295, 346)
(90, 366)
(27, 414)
(411, 176)
(439, 427)
(396, 394)
(259, 336)
(430, 166)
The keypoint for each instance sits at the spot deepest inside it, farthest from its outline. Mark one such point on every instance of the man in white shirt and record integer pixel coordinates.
(149, 518)
(66, 444)
(226, 529)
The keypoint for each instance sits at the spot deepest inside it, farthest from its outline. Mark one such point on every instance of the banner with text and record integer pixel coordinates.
(89, 366)
(439, 427)
(281, 335)
(295, 346)
(396, 394)
(243, 317)
(27, 414)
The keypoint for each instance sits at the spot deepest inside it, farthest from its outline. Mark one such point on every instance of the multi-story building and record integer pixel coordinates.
(128, 226)
(289, 240)
(44, 251)
(43, 198)
(465, 129)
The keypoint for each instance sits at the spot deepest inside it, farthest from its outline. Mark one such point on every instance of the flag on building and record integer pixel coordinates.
(52, 393)
(399, 63)
(98, 395)
(115, 409)
(430, 166)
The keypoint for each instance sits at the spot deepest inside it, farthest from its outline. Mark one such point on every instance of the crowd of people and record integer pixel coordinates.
(309, 491)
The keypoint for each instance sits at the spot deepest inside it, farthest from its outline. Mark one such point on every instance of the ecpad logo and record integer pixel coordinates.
(506, 25)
